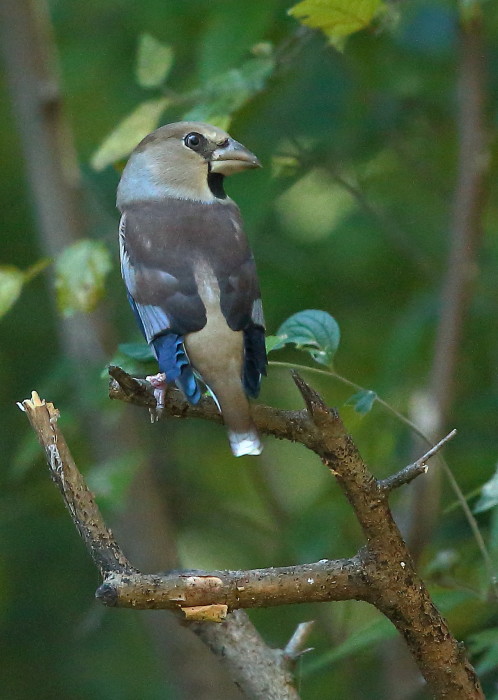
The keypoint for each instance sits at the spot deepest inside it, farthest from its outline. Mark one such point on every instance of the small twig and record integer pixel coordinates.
(295, 646)
(410, 472)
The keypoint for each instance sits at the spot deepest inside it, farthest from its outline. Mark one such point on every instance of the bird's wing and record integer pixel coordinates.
(163, 293)
(161, 245)
(242, 307)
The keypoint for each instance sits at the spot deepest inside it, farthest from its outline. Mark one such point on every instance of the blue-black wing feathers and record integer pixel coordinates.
(255, 360)
(173, 361)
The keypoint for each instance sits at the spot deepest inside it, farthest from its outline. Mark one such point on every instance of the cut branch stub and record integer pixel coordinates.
(79, 501)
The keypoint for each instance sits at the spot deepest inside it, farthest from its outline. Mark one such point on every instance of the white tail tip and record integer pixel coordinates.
(245, 444)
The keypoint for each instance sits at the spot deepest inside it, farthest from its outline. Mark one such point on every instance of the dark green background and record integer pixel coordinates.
(381, 115)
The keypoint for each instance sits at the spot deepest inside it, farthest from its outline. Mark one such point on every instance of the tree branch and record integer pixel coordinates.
(338, 579)
(261, 673)
(85, 514)
(409, 473)
(461, 264)
(382, 573)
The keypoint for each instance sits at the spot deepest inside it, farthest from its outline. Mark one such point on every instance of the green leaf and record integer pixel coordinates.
(228, 92)
(338, 19)
(129, 132)
(80, 272)
(154, 61)
(132, 357)
(489, 495)
(274, 342)
(11, 283)
(315, 331)
(362, 402)
(138, 351)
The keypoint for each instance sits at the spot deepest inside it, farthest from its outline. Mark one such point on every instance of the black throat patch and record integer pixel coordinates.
(215, 184)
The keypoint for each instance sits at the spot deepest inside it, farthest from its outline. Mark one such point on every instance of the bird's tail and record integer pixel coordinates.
(234, 406)
(220, 370)
(245, 443)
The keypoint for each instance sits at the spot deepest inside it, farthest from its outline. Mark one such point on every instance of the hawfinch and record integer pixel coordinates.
(189, 272)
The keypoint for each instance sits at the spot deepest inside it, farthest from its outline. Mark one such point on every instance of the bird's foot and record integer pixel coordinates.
(160, 385)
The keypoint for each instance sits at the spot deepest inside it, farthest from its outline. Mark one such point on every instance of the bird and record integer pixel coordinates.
(190, 274)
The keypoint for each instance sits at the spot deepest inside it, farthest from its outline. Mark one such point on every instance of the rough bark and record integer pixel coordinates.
(382, 573)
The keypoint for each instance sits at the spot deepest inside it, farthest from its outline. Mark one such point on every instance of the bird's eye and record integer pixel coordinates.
(193, 141)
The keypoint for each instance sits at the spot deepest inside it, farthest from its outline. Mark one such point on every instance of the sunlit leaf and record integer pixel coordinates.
(80, 272)
(315, 331)
(129, 132)
(338, 19)
(154, 61)
(489, 495)
(363, 401)
(225, 94)
(11, 283)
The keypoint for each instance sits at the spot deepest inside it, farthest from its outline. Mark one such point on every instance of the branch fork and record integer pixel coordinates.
(382, 573)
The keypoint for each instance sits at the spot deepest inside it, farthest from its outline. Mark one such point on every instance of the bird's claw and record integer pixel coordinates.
(160, 385)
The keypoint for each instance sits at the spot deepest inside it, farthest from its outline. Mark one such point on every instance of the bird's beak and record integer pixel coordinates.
(232, 158)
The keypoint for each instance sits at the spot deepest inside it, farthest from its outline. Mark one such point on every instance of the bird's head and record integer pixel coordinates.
(186, 160)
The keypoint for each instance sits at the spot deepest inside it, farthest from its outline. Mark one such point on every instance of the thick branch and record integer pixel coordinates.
(382, 574)
(395, 587)
(255, 672)
(255, 668)
(339, 579)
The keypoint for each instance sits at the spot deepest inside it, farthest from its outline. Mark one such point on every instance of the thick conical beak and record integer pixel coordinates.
(232, 158)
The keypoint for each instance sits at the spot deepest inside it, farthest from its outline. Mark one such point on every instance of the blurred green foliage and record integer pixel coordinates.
(80, 273)
(350, 216)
